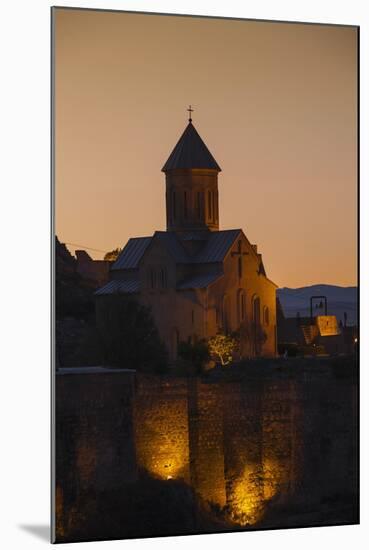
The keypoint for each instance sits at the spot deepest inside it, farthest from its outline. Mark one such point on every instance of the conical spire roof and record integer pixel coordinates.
(190, 152)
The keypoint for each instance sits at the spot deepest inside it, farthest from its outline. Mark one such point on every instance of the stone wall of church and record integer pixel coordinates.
(178, 315)
(223, 296)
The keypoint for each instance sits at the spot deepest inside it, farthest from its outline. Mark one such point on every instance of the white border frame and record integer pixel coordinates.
(25, 229)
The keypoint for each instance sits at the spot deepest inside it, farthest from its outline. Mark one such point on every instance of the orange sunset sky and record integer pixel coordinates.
(275, 103)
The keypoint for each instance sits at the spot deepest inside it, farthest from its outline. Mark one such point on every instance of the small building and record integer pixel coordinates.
(197, 279)
(95, 270)
(320, 334)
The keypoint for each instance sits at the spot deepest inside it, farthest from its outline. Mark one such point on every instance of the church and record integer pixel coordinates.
(198, 280)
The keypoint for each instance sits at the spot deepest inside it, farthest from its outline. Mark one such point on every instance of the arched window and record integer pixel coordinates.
(256, 309)
(257, 335)
(210, 213)
(266, 316)
(174, 205)
(163, 277)
(241, 306)
(217, 319)
(185, 208)
(198, 205)
(226, 314)
(152, 278)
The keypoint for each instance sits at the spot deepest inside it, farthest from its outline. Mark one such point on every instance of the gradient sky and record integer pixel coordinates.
(275, 103)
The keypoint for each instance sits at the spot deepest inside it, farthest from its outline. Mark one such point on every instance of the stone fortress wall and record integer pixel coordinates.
(238, 443)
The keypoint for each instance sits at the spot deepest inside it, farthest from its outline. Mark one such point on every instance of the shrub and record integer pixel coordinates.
(128, 335)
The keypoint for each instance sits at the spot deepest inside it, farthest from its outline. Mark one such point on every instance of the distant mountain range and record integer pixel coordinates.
(340, 299)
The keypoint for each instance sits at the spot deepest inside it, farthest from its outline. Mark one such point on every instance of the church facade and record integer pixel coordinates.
(197, 279)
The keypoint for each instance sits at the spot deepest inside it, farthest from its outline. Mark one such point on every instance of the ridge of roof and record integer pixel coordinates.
(190, 152)
(215, 249)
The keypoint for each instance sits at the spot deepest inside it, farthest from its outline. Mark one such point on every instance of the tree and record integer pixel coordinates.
(196, 353)
(128, 335)
(112, 255)
(222, 346)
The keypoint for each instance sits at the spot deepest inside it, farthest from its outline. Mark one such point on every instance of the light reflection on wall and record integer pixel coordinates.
(247, 499)
(161, 430)
(256, 426)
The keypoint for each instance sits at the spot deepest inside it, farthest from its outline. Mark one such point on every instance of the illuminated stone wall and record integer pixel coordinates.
(205, 403)
(235, 443)
(161, 427)
(249, 444)
(243, 451)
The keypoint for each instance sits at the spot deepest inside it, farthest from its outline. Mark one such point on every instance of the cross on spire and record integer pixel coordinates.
(239, 252)
(190, 110)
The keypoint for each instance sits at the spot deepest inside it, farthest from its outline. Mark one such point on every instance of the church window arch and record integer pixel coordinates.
(256, 309)
(241, 305)
(152, 278)
(174, 205)
(266, 315)
(256, 325)
(185, 205)
(198, 205)
(226, 321)
(210, 214)
(163, 277)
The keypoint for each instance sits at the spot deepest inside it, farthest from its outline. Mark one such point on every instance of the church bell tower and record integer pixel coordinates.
(191, 175)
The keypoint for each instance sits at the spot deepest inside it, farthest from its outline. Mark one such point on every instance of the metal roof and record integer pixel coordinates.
(119, 287)
(217, 246)
(132, 253)
(190, 152)
(199, 281)
(174, 245)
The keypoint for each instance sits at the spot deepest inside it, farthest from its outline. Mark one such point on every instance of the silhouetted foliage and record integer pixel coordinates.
(149, 507)
(112, 255)
(196, 353)
(128, 335)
